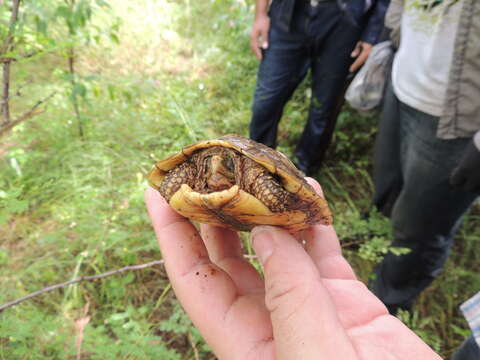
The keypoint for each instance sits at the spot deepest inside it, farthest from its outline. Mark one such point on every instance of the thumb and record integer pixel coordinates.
(302, 313)
(264, 39)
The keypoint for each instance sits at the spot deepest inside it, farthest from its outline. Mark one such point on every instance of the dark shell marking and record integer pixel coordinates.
(262, 153)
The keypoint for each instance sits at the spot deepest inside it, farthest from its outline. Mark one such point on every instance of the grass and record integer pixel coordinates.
(70, 207)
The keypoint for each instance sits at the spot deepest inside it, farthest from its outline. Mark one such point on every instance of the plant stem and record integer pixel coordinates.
(30, 113)
(71, 68)
(5, 94)
(8, 46)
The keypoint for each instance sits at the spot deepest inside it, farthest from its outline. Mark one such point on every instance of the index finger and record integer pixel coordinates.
(356, 64)
(254, 44)
(198, 283)
(179, 241)
(256, 50)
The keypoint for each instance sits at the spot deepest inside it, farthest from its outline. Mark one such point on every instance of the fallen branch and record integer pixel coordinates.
(77, 280)
(87, 278)
(30, 113)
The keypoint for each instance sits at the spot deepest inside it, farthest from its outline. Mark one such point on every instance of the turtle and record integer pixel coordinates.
(238, 183)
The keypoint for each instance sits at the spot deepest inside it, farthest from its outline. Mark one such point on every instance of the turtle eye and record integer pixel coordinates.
(228, 163)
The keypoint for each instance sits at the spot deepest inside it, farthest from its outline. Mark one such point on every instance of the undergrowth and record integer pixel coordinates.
(72, 207)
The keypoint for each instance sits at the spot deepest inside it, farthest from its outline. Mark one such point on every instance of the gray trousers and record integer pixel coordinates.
(411, 175)
(469, 350)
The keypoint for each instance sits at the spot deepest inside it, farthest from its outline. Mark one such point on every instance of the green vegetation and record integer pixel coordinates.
(150, 77)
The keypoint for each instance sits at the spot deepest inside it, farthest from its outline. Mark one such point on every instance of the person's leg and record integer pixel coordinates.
(387, 174)
(426, 212)
(469, 350)
(284, 65)
(335, 39)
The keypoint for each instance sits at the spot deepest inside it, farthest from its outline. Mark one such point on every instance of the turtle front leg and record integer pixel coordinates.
(266, 188)
(182, 174)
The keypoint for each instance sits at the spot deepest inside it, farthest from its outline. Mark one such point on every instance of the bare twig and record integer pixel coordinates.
(10, 59)
(351, 243)
(91, 277)
(17, 91)
(30, 113)
(5, 60)
(77, 280)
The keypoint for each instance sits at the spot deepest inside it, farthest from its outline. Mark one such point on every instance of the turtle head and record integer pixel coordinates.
(220, 171)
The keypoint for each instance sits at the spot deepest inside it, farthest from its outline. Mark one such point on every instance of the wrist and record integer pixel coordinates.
(261, 9)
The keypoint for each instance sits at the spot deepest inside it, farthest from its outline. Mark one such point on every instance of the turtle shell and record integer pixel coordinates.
(235, 208)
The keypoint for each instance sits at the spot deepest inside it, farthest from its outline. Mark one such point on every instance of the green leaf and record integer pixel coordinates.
(103, 3)
(114, 38)
(41, 25)
(111, 92)
(17, 206)
(64, 11)
(119, 317)
(3, 256)
(79, 90)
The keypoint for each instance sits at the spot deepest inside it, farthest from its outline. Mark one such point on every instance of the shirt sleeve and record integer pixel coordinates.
(471, 312)
(374, 27)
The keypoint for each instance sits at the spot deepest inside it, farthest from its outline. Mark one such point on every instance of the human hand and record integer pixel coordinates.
(259, 35)
(361, 52)
(309, 306)
(466, 175)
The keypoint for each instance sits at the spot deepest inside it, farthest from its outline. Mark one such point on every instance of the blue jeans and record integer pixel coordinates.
(411, 175)
(320, 39)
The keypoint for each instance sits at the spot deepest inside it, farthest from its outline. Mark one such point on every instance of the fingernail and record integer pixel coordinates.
(265, 45)
(262, 241)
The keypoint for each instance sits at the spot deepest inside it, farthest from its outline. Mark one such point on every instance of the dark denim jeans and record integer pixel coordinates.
(411, 174)
(469, 350)
(320, 39)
